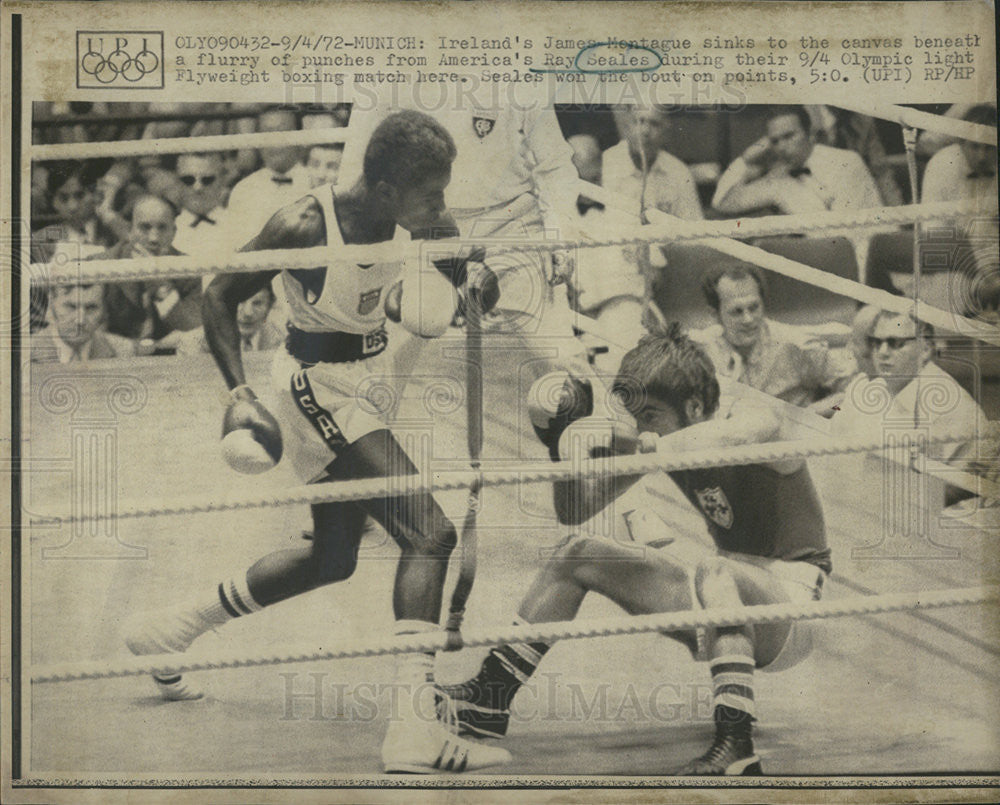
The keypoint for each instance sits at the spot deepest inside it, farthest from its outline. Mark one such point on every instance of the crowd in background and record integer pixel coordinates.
(690, 162)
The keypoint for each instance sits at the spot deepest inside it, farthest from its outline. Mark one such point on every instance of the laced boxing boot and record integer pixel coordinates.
(415, 745)
(477, 714)
(168, 631)
(731, 753)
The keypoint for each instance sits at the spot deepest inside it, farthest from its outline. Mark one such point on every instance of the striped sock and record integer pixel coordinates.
(506, 669)
(232, 599)
(415, 669)
(732, 688)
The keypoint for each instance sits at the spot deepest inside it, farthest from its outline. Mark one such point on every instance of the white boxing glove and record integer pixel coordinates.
(428, 303)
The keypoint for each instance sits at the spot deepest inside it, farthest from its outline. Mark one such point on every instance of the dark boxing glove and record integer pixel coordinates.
(555, 401)
(251, 437)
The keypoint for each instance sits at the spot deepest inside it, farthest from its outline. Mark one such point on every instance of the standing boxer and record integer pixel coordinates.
(336, 337)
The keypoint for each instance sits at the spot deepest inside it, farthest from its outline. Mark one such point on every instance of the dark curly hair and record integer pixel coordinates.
(669, 366)
(407, 147)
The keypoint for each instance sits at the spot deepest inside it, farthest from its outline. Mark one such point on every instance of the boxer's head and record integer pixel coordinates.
(667, 382)
(407, 167)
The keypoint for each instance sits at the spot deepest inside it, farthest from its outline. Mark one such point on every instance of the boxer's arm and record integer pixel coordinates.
(747, 424)
(579, 499)
(298, 225)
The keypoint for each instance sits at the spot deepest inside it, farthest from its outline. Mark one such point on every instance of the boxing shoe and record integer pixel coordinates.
(730, 755)
(167, 631)
(476, 716)
(415, 746)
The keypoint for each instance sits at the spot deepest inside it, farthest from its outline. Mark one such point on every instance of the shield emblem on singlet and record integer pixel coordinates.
(368, 301)
(482, 126)
(716, 506)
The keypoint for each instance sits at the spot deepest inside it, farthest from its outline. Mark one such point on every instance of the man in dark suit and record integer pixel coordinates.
(151, 310)
(76, 313)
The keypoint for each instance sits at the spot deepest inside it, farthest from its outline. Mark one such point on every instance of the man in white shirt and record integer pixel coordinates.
(282, 180)
(200, 221)
(640, 169)
(610, 284)
(908, 390)
(966, 169)
(785, 171)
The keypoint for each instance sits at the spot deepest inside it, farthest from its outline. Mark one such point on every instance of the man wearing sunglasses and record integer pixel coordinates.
(906, 388)
(199, 223)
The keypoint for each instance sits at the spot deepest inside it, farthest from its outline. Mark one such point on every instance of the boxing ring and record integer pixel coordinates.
(883, 657)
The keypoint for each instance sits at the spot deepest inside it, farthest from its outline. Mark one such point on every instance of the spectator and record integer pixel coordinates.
(200, 221)
(787, 173)
(74, 330)
(151, 309)
(257, 333)
(966, 169)
(611, 284)
(640, 169)
(842, 128)
(71, 194)
(908, 389)
(782, 360)
(323, 164)
(282, 180)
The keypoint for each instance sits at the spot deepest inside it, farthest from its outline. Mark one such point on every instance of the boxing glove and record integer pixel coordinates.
(393, 301)
(251, 437)
(427, 304)
(554, 401)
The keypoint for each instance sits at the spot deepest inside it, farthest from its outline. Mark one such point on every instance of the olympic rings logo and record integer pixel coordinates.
(118, 63)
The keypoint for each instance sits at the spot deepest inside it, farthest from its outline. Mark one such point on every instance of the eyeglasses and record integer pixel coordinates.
(189, 180)
(893, 342)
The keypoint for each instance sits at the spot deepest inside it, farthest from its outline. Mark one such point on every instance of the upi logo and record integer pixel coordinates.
(119, 59)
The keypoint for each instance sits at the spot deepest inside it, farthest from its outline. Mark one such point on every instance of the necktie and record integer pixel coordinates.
(795, 173)
(277, 178)
(202, 218)
(247, 343)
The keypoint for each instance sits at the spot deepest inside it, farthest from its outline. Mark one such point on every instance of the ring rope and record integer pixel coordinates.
(226, 142)
(927, 121)
(188, 145)
(540, 472)
(527, 633)
(276, 260)
(184, 266)
(970, 482)
(941, 319)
